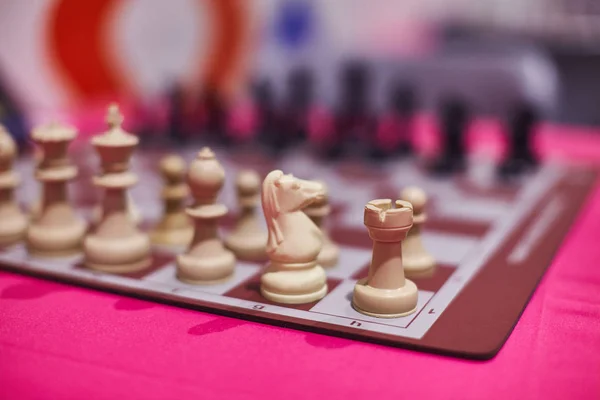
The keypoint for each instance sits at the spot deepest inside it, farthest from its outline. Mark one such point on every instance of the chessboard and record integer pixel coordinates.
(492, 240)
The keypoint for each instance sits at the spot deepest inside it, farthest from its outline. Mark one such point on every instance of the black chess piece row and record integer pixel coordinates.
(281, 124)
(454, 121)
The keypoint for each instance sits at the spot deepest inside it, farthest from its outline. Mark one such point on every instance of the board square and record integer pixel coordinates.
(15, 254)
(338, 303)
(351, 260)
(167, 276)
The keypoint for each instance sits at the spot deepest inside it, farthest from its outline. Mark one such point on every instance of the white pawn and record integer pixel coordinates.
(206, 259)
(248, 239)
(175, 227)
(418, 262)
(318, 211)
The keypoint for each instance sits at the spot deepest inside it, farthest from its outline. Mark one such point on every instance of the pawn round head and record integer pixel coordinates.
(415, 196)
(172, 168)
(248, 182)
(205, 176)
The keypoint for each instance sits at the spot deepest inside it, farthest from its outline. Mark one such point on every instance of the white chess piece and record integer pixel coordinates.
(417, 261)
(175, 226)
(293, 275)
(248, 239)
(386, 293)
(116, 244)
(57, 230)
(318, 211)
(206, 260)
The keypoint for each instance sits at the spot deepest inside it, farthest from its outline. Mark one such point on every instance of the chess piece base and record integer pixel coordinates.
(385, 303)
(54, 254)
(294, 299)
(248, 248)
(118, 254)
(56, 241)
(421, 266)
(121, 268)
(172, 237)
(206, 269)
(10, 240)
(203, 282)
(12, 228)
(293, 283)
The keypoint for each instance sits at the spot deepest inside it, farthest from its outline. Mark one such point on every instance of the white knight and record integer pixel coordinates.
(292, 275)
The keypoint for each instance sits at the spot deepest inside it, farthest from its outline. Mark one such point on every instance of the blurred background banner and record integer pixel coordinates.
(63, 55)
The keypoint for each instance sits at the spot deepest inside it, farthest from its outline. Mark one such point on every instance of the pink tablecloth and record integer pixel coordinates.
(61, 342)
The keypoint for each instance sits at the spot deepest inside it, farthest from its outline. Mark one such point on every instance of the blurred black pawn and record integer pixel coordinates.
(454, 121)
(176, 116)
(404, 105)
(353, 120)
(299, 98)
(401, 107)
(520, 157)
(215, 115)
(267, 114)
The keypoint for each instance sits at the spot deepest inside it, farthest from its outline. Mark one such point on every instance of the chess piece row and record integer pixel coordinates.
(297, 246)
(281, 121)
(114, 243)
(208, 259)
(294, 275)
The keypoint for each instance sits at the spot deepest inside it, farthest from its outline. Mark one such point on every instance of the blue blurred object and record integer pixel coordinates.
(16, 125)
(294, 23)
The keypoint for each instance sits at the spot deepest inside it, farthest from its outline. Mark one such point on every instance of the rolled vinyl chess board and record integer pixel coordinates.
(493, 245)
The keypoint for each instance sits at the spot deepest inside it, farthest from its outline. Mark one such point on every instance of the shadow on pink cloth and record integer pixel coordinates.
(31, 290)
(128, 304)
(219, 325)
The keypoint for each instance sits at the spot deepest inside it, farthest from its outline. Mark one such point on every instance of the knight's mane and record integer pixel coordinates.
(271, 210)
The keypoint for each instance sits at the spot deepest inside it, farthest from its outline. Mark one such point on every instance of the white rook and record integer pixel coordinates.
(386, 293)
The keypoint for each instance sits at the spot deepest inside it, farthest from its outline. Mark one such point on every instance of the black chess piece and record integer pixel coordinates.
(404, 104)
(401, 106)
(353, 119)
(215, 114)
(454, 120)
(299, 98)
(268, 133)
(520, 157)
(175, 123)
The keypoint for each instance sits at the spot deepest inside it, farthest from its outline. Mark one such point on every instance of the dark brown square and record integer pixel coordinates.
(351, 237)
(250, 290)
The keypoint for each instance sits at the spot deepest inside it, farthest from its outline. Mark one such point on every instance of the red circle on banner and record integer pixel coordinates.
(78, 45)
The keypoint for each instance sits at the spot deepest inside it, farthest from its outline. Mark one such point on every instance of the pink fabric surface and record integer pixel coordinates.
(64, 342)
